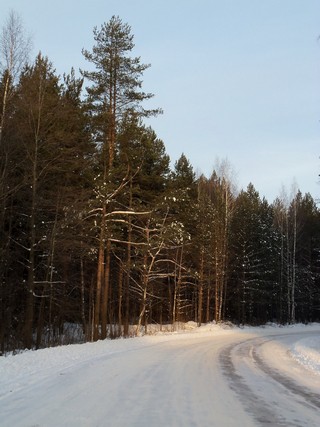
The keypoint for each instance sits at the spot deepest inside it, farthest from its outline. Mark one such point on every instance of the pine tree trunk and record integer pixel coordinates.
(127, 286)
(28, 340)
(100, 277)
(208, 306)
(120, 297)
(177, 288)
(216, 289)
(128, 268)
(292, 302)
(83, 312)
(145, 281)
(288, 271)
(201, 285)
(30, 290)
(105, 293)
(144, 295)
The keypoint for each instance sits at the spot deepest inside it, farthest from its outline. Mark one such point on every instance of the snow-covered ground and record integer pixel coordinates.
(165, 379)
(307, 352)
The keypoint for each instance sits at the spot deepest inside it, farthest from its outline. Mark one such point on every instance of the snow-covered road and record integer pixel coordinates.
(208, 378)
(272, 386)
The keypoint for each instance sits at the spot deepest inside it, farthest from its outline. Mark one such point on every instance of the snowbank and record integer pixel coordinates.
(307, 352)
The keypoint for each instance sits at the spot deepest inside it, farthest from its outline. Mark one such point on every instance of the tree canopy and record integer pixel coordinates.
(98, 230)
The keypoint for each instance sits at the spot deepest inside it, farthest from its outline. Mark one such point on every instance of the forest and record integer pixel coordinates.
(98, 230)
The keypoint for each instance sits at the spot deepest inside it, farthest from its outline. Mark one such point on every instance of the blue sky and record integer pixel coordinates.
(237, 79)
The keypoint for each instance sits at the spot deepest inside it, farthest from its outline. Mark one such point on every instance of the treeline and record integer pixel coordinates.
(97, 230)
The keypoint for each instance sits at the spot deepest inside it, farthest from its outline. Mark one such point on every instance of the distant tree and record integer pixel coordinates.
(182, 201)
(298, 263)
(14, 52)
(253, 254)
(307, 294)
(223, 196)
(302, 262)
(202, 238)
(281, 223)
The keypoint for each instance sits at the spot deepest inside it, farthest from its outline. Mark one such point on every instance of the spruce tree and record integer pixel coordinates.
(253, 254)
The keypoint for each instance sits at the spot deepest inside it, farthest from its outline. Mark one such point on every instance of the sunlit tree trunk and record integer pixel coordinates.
(100, 277)
(105, 293)
(200, 287)
(144, 284)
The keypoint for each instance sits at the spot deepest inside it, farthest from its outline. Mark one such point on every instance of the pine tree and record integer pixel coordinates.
(304, 218)
(48, 133)
(114, 93)
(182, 202)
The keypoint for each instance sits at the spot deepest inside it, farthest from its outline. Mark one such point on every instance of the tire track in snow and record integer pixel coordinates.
(306, 397)
(260, 410)
(269, 396)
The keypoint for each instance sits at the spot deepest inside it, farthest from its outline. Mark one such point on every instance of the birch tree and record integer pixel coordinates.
(224, 190)
(14, 52)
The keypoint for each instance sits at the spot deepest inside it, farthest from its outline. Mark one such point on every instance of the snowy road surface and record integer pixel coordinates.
(202, 378)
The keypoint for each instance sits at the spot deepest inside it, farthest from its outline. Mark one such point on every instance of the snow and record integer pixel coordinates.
(307, 352)
(167, 378)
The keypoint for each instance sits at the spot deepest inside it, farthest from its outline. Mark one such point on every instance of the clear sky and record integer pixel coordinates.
(237, 79)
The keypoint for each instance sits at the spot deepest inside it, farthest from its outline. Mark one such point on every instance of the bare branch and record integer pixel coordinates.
(14, 46)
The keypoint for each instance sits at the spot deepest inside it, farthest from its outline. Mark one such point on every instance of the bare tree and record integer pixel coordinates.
(226, 190)
(294, 190)
(14, 53)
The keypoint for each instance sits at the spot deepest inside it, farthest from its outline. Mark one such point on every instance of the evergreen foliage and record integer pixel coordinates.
(97, 230)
